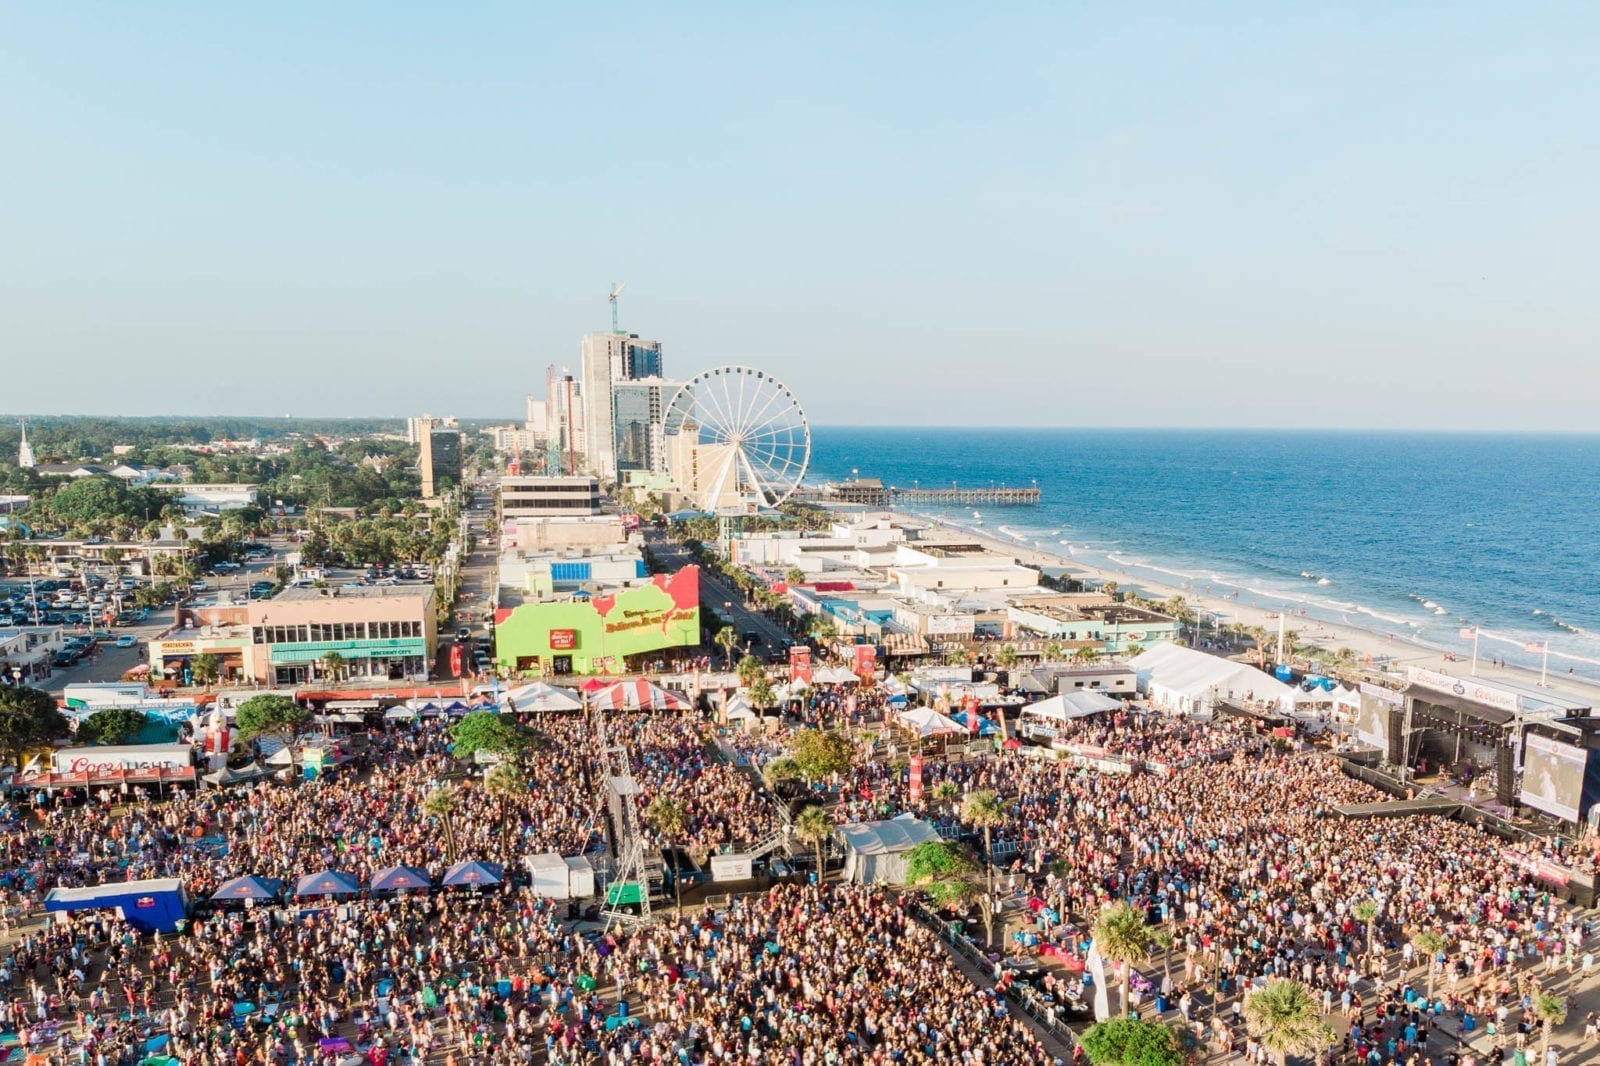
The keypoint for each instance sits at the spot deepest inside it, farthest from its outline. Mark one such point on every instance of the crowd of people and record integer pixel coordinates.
(1223, 836)
(814, 974)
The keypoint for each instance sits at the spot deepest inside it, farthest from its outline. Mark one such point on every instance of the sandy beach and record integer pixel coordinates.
(1389, 653)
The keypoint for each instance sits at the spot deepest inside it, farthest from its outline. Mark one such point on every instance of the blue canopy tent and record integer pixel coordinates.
(986, 727)
(473, 873)
(248, 887)
(327, 883)
(456, 708)
(155, 905)
(396, 878)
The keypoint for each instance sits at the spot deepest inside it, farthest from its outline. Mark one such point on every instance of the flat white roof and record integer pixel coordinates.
(114, 888)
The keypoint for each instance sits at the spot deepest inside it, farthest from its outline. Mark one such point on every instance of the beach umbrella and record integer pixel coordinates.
(398, 877)
(327, 883)
(473, 873)
(248, 887)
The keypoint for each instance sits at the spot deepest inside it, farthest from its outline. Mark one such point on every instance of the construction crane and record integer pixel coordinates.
(616, 290)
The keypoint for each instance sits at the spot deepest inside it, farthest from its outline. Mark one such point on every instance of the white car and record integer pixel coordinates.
(125, 641)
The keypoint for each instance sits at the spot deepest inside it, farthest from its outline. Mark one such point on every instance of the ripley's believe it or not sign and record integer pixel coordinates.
(598, 634)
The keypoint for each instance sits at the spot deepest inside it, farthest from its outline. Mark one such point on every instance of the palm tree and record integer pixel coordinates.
(1285, 1018)
(1366, 912)
(783, 768)
(749, 669)
(1006, 657)
(441, 803)
(814, 825)
(668, 817)
(945, 792)
(505, 783)
(1086, 654)
(984, 810)
(821, 629)
(332, 664)
(1121, 935)
(727, 639)
(1161, 940)
(1258, 637)
(1551, 1010)
(1429, 943)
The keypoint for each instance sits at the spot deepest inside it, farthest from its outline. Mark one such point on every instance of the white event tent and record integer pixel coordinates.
(1068, 705)
(1184, 681)
(927, 722)
(538, 697)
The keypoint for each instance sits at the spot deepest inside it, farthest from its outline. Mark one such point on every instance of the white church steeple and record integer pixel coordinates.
(25, 452)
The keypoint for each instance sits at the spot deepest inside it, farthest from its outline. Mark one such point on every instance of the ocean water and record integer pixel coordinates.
(1415, 534)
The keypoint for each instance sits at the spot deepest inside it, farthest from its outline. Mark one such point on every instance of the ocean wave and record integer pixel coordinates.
(1293, 588)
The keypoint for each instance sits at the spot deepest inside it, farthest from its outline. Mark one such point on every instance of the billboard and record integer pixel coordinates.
(1466, 687)
(599, 633)
(1372, 718)
(1552, 776)
(131, 757)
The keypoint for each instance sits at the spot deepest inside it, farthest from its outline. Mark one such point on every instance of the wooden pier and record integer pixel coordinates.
(871, 492)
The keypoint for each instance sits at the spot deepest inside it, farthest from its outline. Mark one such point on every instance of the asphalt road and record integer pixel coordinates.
(715, 592)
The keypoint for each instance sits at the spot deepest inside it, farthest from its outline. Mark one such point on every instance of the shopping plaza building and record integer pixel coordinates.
(386, 632)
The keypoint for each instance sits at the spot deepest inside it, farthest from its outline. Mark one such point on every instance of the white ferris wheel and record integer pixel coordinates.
(736, 439)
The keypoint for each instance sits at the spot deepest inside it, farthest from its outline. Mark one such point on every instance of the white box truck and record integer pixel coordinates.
(548, 873)
(580, 877)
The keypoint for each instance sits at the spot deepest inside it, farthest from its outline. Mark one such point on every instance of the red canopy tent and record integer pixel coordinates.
(639, 695)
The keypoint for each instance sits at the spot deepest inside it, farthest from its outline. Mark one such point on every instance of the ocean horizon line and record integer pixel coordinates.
(1419, 431)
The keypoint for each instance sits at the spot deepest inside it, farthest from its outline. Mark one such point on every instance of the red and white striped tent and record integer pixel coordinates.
(639, 695)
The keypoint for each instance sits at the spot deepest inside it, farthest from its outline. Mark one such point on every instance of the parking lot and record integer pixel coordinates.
(104, 660)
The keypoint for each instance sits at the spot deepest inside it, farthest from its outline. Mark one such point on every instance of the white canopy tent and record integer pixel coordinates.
(875, 852)
(738, 709)
(538, 696)
(927, 722)
(1184, 681)
(834, 675)
(1079, 703)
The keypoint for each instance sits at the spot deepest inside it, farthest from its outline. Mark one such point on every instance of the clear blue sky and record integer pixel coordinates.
(1369, 215)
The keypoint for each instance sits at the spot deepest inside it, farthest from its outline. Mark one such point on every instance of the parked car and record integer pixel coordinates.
(127, 640)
